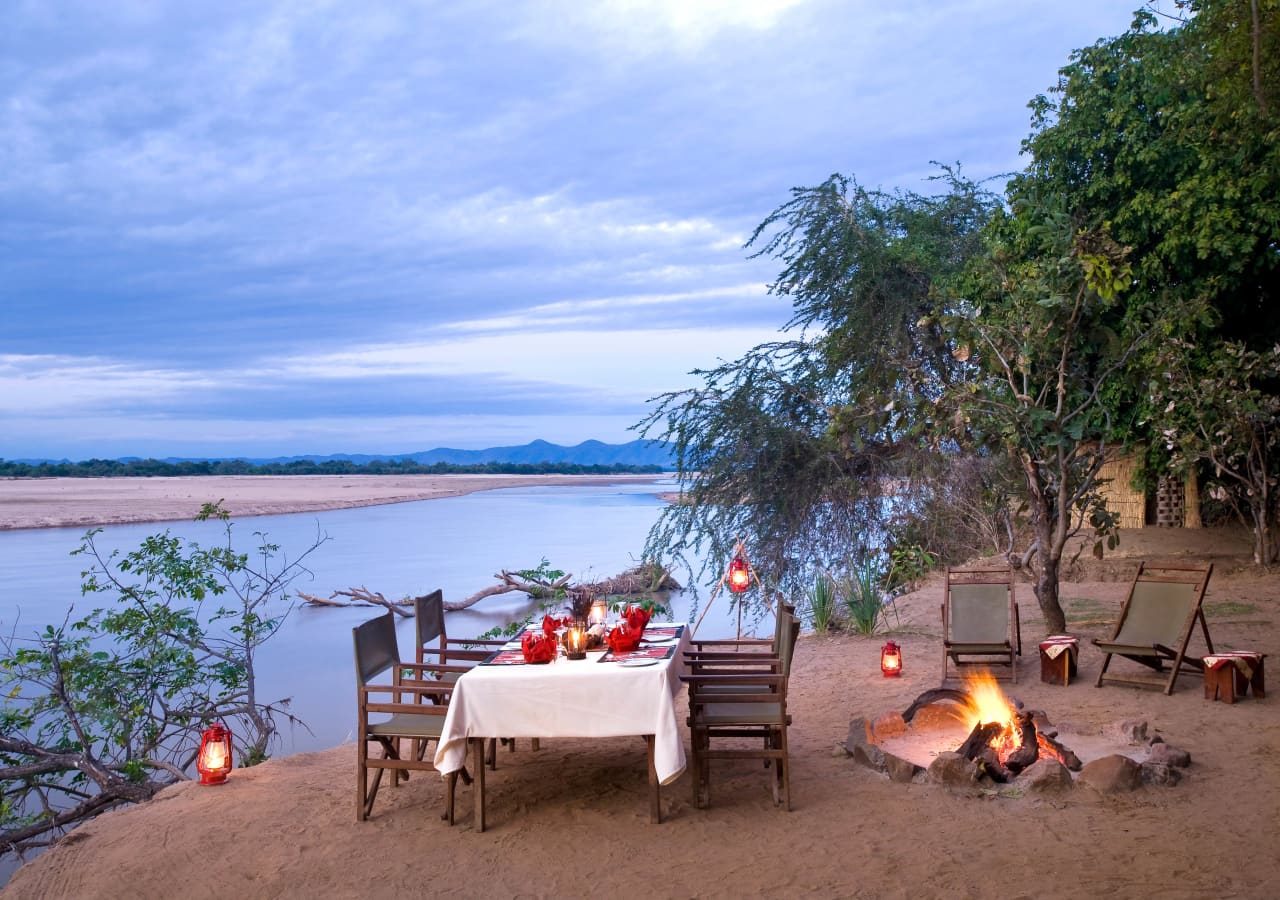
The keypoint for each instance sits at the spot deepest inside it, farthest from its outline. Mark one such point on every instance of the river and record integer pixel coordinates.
(401, 549)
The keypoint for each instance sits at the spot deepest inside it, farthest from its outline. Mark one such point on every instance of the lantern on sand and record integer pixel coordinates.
(891, 660)
(739, 577)
(213, 762)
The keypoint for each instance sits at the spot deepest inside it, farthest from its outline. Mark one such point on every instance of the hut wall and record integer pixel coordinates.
(1129, 506)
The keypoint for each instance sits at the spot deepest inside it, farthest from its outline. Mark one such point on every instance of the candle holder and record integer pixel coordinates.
(575, 641)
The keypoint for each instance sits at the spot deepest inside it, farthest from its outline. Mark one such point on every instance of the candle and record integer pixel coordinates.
(599, 611)
(575, 642)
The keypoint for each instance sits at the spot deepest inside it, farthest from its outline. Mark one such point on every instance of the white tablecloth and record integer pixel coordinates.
(568, 698)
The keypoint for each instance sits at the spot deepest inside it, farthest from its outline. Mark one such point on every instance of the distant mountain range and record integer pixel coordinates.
(588, 453)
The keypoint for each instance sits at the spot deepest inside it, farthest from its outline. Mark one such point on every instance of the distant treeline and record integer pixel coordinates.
(141, 468)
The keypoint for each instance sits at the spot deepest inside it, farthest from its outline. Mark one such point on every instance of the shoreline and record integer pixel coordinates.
(89, 502)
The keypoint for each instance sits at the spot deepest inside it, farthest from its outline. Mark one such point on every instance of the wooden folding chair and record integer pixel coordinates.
(376, 652)
(1155, 625)
(980, 623)
(743, 697)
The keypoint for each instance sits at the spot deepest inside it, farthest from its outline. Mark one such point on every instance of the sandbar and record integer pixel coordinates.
(86, 502)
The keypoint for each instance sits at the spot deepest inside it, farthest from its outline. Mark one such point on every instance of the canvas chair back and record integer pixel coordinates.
(787, 643)
(979, 613)
(428, 617)
(375, 648)
(1158, 613)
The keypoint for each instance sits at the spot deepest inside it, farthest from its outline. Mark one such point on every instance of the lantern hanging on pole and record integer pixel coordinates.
(739, 576)
(891, 660)
(213, 762)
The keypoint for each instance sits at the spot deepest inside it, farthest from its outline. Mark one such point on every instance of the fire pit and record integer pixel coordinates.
(978, 733)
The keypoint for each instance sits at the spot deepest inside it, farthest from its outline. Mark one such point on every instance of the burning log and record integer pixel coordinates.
(1029, 751)
(979, 739)
(1065, 756)
(989, 759)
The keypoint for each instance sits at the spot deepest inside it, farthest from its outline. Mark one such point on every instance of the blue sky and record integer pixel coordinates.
(271, 228)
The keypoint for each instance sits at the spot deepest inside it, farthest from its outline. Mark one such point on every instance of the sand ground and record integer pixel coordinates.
(56, 502)
(571, 819)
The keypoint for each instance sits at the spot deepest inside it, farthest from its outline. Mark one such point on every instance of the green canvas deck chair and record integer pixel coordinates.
(980, 625)
(1155, 625)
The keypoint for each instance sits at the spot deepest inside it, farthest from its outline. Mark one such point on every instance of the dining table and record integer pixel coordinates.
(605, 695)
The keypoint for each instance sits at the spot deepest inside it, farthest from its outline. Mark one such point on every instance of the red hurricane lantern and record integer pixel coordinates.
(891, 660)
(213, 762)
(739, 574)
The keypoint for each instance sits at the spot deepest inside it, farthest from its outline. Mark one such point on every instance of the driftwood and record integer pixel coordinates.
(933, 695)
(360, 596)
(643, 579)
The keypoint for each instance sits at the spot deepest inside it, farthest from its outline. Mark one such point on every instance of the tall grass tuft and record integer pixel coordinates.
(863, 598)
(822, 602)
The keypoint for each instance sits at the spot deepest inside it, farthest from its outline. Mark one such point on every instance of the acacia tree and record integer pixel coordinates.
(791, 445)
(108, 709)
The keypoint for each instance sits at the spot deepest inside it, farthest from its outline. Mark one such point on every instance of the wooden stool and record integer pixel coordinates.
(1062, 669)
(1224, 681)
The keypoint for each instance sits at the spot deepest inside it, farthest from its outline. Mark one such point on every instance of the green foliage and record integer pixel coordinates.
(863, 598)
(1166, 138)
(908, 564)
(792, 446)
(107, 708)
(1220, 408)
(822, 602)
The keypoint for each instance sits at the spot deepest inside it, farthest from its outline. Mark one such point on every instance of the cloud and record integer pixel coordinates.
(487, 206)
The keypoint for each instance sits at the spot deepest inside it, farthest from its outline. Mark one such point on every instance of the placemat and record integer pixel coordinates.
(642, 653)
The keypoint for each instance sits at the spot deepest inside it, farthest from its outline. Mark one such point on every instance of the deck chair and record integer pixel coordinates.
(1155, 625)
(706, 651)
(743, 698)
(980, 623)
(376, 653)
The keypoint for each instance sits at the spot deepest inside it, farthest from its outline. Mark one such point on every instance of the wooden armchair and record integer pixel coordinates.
(376, 652)
(743, 697)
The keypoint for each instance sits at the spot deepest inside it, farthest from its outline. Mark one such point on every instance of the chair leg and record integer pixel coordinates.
(362, 779)
(784, 767)
(493, 754)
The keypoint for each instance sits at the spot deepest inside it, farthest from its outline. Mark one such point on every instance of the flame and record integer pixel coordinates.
(988, 704)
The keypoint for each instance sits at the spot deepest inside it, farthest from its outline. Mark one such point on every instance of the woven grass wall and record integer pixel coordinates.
(1129, 506)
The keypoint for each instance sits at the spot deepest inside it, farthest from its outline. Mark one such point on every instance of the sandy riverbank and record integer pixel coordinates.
(571, 819)
(83, 502)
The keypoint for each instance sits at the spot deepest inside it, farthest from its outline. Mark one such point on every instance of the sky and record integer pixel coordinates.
(269, 228)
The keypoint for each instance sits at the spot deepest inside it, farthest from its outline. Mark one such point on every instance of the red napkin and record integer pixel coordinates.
(624, 638)
(550, 623)
(538, 648)
(637, 617)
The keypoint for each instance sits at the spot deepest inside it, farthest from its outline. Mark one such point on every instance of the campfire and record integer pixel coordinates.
(1001, 737)
(957, 737)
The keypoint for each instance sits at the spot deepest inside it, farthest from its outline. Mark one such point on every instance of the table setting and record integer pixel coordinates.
(551, 681)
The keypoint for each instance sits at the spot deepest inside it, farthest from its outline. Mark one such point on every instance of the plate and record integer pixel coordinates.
(655, 641)
(637, 663)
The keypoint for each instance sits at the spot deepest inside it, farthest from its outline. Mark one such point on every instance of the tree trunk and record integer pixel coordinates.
(1055, 620)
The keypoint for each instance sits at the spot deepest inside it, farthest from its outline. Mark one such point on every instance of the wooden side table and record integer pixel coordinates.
(1225, 680)
(1058, 659)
